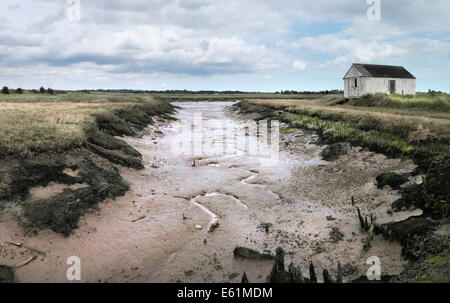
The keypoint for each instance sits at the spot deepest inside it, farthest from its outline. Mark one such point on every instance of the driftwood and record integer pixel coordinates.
(26, 247)
(248, 253)
(367, 243)
(278, 274)
(296, 274)
(327, 277)
(26, 261)
(244, 278)
(339, 274)
(138, 219)
(312, 273)
(361, 220)
(14, 243)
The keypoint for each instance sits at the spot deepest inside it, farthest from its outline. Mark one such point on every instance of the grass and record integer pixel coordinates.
(423, 138)
(37, 123)
(396, 134)
(234, 97)
(427, 102)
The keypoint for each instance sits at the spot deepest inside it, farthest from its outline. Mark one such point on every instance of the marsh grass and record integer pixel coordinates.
(235, 97)
(427, 102)
(420, 137)
(34, 124)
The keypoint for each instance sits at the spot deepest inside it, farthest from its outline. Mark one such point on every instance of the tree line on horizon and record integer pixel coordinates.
(42, 90)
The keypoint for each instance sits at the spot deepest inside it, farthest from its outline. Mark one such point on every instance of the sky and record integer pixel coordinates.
(251, 45)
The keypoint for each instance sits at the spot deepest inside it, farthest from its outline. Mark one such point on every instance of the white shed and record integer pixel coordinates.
(364, 79)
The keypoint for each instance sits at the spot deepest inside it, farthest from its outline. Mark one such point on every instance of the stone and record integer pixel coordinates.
(334, 151)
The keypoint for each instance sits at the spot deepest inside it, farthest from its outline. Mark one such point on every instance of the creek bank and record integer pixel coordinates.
(93, 165)
(417, 235)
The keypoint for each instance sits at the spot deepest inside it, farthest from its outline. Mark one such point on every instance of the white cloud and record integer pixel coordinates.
(298, 65)
(124, 39)
(345, 49)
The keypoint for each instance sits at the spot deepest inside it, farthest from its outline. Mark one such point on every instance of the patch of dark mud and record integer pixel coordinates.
(129, 121)
(334, 151)
(437, 188)
(61, 212)
(392, 179)
(118, 154)
(94, 167)
(6, 274)
(349, 270)
(412, 197)
(261, 111)
(336, 235)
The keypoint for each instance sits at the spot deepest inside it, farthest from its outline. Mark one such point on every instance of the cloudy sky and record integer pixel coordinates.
(249, 45)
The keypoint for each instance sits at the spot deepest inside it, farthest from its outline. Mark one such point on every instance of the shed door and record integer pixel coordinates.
(392, 86)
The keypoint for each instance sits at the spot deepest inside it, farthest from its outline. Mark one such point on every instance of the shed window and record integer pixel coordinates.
(356, 82)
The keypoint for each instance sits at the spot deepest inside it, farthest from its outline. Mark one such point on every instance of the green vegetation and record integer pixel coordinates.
(5, 90)
(189, 273)
(433, 269)
(33, 124)
(52, 133)
(420, 137)
(428, 102)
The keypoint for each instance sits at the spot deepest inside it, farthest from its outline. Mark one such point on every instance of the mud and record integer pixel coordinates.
(6, 274)
(171, 198)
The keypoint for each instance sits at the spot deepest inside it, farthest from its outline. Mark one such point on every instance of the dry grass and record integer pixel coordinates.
(34, 123)
(369, 118)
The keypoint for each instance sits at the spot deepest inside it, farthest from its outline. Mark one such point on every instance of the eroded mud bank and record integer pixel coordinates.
(181, 222)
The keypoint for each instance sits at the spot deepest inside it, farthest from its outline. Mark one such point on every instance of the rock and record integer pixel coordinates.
(248, 253)
(334, 151)
(392, 179)
(412, 196)
(336, 235)
(213, 227)
(349, 270)
(6, 274)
